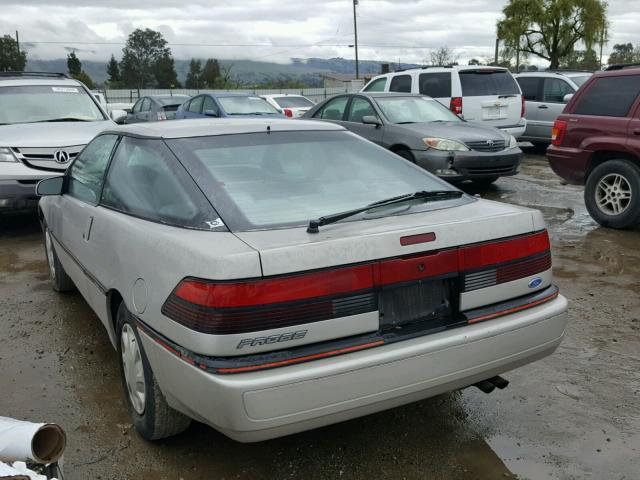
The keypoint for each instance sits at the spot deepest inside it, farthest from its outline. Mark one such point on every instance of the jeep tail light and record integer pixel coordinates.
(456, 105)
(162, 115)
(558, 132)
(523, 108)
(287, 112)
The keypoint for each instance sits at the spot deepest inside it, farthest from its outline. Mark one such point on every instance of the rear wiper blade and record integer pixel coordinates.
(427, 196)
(508, 96)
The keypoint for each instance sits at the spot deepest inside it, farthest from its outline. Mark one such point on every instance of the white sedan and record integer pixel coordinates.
(289, 105)
(267, 277)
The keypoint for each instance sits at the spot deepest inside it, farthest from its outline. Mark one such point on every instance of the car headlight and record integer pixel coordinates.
(445, 144)
(513, 143)
(6, 155)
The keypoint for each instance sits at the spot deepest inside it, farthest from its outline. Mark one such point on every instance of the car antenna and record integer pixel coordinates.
(268, 129)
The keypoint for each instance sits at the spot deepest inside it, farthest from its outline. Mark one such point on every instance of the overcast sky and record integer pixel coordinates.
(275, 30)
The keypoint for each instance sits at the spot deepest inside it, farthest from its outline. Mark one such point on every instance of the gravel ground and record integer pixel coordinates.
(572, 415)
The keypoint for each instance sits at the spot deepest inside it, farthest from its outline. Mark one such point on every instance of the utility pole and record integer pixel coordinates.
(18, 43)
(495, 60)
(355, 33)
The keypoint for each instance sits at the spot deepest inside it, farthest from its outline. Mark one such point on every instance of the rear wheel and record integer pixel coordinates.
(485, 182)
(60, 281)
(150, 414)
(612, 194)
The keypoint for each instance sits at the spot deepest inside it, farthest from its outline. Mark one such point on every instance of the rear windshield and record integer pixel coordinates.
(171, 108)
(177, 100)
(293, 102)
(44, 103)
(478, 83)
(580, 79)
(284, 179)
(246, 106)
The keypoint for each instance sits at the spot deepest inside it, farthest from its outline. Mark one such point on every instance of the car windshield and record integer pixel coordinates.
(482, 82)
(580, 79)
(415, 110)
(293, 102)
(46, 103)
(285, 179)
(246, 106)
(172, 100)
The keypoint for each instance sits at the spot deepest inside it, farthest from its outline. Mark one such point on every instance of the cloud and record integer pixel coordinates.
(275, 30)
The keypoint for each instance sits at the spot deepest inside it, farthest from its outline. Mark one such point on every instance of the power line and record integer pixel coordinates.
(234, 45)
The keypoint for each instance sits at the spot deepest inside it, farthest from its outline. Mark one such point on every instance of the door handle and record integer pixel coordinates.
(543, 106)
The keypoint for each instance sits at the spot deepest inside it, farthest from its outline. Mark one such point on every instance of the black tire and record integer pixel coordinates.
(157, 420)
(619, 212)
(406, 154)
(484, 182)
(60, 281)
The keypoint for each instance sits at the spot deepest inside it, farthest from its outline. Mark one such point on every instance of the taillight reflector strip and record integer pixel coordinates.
(482, 255)
(518, 308)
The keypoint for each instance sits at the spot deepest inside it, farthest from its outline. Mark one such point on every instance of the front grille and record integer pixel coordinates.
(43, 157)
(486, 146)
(491, 170)
(507, 273)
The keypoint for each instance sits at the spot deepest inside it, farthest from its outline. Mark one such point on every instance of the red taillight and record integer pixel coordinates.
(558, 132)
(492, 253)
(287, 112)
(456, 105)
(523, 109)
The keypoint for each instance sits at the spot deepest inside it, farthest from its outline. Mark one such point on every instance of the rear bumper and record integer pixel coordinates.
(516, 130)
(470, 165)
(569, 163)
(267, 404)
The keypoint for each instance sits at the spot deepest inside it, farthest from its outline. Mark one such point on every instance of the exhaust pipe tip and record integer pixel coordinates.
(485, 386)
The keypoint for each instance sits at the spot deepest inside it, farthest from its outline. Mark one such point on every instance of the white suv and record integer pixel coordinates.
(45, 120)
(487, 95)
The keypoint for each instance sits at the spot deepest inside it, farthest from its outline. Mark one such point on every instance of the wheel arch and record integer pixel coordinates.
(602, 156)
(114, 299)
(396, 147)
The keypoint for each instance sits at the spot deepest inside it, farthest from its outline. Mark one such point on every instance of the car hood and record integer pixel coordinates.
(461, 131)
(51, 134)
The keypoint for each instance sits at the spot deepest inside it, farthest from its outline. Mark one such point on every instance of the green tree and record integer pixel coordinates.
(474, 61)
(144, 50)
(551, 29)
(210, 73)
(85, 78)
(194, 75)
(11, 60)
(113, 70)
(623, 53)
(581, 60)
(73, 64)
(165, 72)
(443, 56)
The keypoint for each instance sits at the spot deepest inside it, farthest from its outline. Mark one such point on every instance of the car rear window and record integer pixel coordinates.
(435, 85)
(401, 83)
(476, 83)
(529, 86)
(609, 96)
(293, 102)
(250, 105)
(177, 100)
(285, 179)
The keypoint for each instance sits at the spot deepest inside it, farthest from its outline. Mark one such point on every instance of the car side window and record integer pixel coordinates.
(86, 174)
(360, 107)
(209, 104)
(529, 87)
(555, 89)
(334, 109)
(401, 83)
(609, 96)
(146, 105)
(196, 104)
(436, 85)
(136, 107)
(376, 85)
(147, 181)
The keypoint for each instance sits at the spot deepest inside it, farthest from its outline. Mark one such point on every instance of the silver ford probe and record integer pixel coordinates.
(268, 276)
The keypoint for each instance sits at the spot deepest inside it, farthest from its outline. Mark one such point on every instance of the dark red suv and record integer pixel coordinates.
(596, 142)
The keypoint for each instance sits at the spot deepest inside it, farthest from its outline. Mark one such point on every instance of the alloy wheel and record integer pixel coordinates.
(133, 368)
(613, 194)
(48, 245)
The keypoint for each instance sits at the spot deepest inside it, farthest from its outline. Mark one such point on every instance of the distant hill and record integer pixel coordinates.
(249, 72)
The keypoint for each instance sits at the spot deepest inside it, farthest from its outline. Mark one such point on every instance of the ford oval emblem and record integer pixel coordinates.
(535, 282)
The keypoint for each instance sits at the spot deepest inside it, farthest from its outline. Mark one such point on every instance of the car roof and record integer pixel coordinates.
(618, 73)
(220, 126)
(554, 73)
(282, 95)
(445, 68)
(390, 94)
(18, 79)
(231, 94)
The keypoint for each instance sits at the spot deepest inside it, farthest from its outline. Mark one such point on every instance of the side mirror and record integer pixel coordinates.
(371, 120)
(211, 113)
(118, 116)
(567, 97)
(50, 186)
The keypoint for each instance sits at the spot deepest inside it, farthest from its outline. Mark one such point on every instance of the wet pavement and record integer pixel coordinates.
(572, 415)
